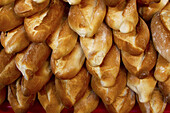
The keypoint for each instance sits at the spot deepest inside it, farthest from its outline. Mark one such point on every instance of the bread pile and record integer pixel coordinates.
(70, 53)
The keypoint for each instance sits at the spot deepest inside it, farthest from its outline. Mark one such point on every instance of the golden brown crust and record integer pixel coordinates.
(62, 41)
(107, 72)
(25, 8)
(123, 17)
(160, 36)
(40, 78)
(49, 99)
(42, 24)
(162, 71)
(86, 17)
(123, 103)
(165, 89)
(71, 90)
(19, 102)
(14, 41)
(147, 12)
(68, 66)
(2, 95)
(146, 2)
(87, 103)
(157, 104)
(6, 2)
(30, 60)
(142, 87)
(8, 18)
(108, 95)
(113, 3)
(134, 42)
(73, 2)
(141, 65)
(96, 47)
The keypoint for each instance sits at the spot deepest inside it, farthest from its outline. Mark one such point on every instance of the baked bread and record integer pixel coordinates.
(49, 99)
(123, 103)
(40, 79)
(134, 42)
(73, 2)
(30, 60)
(2, 95)
(62, 41)
(157, 104)
(96, 47)
(71, 90)
(160, 28)
(142, 87)
(113, 3)
(8, 70)
(5, 2)
(109, 95)
(123, 17)
(85, 18)
(25, 8)
(19, 102)
(87, 103)
(8, 18)
(162, 70)
(15, 40)
(42, 24)
(68, 66)
(146, 2)
(108, 71)
(140, 65)
(149, 10)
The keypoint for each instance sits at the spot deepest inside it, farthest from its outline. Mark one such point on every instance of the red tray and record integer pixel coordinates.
(37, 108)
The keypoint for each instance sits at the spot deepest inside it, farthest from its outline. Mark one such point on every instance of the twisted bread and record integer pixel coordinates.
(113, 3)
(49, 99)
(8, 18)
(19, 102)
(6, 2)
(42, 24)
(146, 2)
(2, 95)
(123, 103)
(71, 90)
(30, 60)
(25, 8)
(86, 17)
(73, 2)
(15, 40)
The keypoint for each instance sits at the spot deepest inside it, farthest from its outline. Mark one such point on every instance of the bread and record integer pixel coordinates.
(42, 24)
(142, 87)
(15, 40)
(85, 18)
(25, 8)
(165, 89)
(157, 104)
(19, 102)
(146, 2)
(49, 99)
(68, 66)
(88, 103)
(134, 42)
(108, 71)
(123, 103)
(40, 79)
(109, 95)
(142, 64)
(123, 17)
(149, 10)
(162, 70)
(161, 32)
(2, 95)
(113, 3)
(5, 2)
(8, 18)
(8, 70)
(96, 47)
(62, 41)
(71, 90)
(30, 60)
(73, 2)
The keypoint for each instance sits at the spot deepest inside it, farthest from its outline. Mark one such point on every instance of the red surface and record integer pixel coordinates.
(37, 108)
